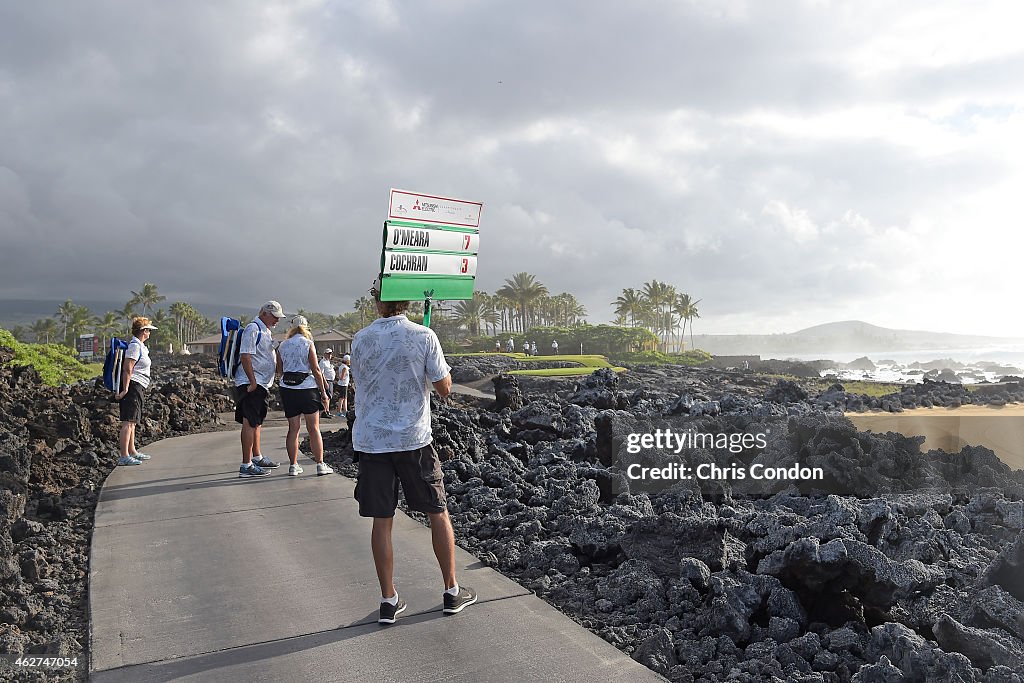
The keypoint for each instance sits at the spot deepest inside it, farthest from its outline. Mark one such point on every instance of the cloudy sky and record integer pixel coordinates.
(788, 163)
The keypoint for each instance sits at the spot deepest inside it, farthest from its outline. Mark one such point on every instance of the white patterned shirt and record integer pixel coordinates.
(394, 362)
(295, 358)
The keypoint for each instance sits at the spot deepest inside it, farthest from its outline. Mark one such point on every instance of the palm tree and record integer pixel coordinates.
(689, 313)
(367, 310)
(523, 289)
(468, 313)
(505, 305)
(630, 303)
(107, 327)
(659, 296)
(127, 312)
(575, 313)
(488, 313)
(180, 311)
(162, 322)
(147, 297)
(64, 312)
(81, 319)
(43, 329)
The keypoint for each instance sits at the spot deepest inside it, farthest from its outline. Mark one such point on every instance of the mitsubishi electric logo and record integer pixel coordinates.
(430, 207)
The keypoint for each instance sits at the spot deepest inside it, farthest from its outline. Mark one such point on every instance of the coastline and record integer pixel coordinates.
(1000, 428)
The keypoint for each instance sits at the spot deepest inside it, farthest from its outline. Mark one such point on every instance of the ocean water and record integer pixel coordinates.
(1012, 356)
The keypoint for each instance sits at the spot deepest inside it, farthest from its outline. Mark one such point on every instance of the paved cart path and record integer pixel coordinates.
(196, 574)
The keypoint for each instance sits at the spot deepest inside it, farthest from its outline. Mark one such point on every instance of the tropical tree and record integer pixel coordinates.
(659, 297)
(688, 311)
(566, 310)
(81, 319)
(107, 327)
(180, 312)
(44, 329)
(630, 304)
(505, 306)
(20, 333)
(488, 312)
(524, 290)
(64, 312)
(469, 313)
(164, 332)
(367, 310)
(147, 297)
(189, 324)
(126, 313)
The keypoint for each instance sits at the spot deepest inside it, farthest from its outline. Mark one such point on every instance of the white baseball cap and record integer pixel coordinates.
(300, 321)
(273, 308)
(328, 350)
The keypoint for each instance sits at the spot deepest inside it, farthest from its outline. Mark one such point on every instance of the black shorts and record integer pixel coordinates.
(301, 401)
(342, 392)
(251, 407)
(419, 472)
(131, 404)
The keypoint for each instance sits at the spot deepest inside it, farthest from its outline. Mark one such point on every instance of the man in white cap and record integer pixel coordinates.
(343, 379)
(253, 380)
(327, 369)
(394, 360)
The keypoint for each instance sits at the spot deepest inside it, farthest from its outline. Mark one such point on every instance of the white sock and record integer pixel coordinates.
(454, 590)
(257, 458)
(393, 600)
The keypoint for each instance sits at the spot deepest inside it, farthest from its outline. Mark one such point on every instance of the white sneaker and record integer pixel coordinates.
(128, 460)
(323, 468)
(141, 456)
(294, 470)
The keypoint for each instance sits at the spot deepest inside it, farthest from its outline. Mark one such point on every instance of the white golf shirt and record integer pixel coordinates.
(327, 368)
(264, 360)
(138, 352)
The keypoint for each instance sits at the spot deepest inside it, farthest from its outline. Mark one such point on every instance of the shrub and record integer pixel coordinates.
(55, 363)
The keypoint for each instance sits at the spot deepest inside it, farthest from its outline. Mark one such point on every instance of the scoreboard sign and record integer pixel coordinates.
(430, 248)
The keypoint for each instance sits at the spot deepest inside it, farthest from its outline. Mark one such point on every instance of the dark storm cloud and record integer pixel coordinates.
(237, 151)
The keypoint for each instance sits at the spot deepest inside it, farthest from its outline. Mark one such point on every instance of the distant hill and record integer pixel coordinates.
(26, 311)
(842, 337)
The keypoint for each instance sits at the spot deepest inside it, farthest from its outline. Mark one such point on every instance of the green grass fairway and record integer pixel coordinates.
(588, 364)
(818, 385)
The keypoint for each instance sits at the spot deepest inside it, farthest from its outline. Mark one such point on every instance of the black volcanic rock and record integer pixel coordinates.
(57, 444)
(785, 391)
(863, 363)
(839, 579)
(507, 393)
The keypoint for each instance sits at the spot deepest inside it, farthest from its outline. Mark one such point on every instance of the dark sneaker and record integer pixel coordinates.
(389, 612)
(252, 471)
(453, 604)
(265, 463)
